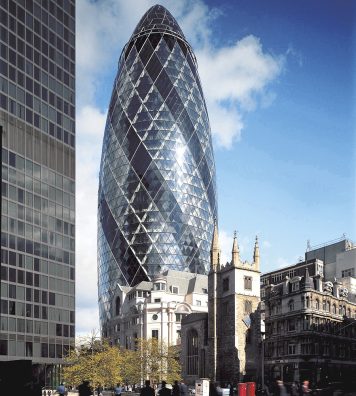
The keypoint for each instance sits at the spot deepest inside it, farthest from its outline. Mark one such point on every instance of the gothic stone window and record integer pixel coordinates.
(248, 307)
(248, 282)
(225, 284)
(192, 352)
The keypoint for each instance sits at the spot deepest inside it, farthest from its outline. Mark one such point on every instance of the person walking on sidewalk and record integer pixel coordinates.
(118, 390)
(61, 390)
(147, 390)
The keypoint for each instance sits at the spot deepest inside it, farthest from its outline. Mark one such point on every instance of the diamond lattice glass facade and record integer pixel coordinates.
(157, 189)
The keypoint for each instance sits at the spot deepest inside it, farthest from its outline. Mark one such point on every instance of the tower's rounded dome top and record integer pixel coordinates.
(158, 19)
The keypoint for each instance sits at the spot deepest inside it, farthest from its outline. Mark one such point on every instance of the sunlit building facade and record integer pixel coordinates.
(157, 189)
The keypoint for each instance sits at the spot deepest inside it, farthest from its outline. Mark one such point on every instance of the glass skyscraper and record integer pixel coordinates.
(37, 118)
(157, 189)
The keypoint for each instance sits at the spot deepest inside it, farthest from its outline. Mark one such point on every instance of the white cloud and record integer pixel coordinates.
(86, 320)
(244, 72)
(235, 80)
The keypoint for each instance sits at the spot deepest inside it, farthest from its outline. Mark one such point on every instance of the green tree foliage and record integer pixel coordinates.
(93, 360)
(158, 360)
(102, 364)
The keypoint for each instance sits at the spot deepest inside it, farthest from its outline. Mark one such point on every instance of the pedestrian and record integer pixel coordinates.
(85, 389)
(118, 389)
(231, 389)
(295, 389)
(61, 390)
(176, 389)
(212, 389)
(183, 389)
(147, 390)
(49, 393)
(99, 390)
(164, 391)
(305, 387)
(280, 389)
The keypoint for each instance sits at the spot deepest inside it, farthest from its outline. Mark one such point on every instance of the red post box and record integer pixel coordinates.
(241, 389)
(251, 389)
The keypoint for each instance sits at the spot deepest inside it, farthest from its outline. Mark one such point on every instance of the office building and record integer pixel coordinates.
(157, 192)
(37, 117)
(310, 316)
(310, 329)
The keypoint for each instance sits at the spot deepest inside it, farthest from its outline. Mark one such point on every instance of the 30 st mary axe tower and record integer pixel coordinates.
(37, 114)
(157, 191)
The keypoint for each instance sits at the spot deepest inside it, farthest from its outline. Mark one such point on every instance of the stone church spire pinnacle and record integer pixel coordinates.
(215, 249)
(235, 251)
(256, 254)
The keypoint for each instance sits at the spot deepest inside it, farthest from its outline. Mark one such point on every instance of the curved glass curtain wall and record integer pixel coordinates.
(157, 190)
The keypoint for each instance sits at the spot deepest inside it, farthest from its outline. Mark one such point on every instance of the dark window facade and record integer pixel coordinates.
(37, 113)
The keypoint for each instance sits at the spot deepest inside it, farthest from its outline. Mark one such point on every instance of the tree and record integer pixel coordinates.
(94, 360)
(131, 367)
(158, 360)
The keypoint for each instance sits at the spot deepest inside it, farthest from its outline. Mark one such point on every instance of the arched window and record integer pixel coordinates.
(334, 309)
(192, 352)
(328, 306)
(317, 305)
(324, 305)
(349, 312)
(117, 306)
(308, 302)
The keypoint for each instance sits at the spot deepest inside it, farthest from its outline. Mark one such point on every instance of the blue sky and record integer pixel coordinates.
(278, 77)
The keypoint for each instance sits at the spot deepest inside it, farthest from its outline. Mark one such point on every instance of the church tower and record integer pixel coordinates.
(234, 324)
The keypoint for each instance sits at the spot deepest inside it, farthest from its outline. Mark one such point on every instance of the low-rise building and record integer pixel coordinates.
(310, 326)
(155, 309)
